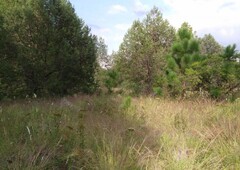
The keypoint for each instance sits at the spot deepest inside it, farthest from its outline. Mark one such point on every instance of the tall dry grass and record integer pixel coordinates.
(117, 132)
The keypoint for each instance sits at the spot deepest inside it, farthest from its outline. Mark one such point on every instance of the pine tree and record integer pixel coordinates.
(182, 61)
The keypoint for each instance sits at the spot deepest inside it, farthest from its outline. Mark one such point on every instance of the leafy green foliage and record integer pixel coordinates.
(104, 60)
(46, 50)
(111, 79)
(141, 55)
(215, 92)
(185, 48)
(209, 46)
(182, 72)
(184, 64)
(158, 91)
(230, 53)
(220, 77)
(54, 51)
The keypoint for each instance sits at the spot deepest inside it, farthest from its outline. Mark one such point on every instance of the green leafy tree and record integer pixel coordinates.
(220, 74)
(185, 49)
(104, 60)
(230, 53)
(220, 77)
(183, 61)
(140, 57)
(56, 52)
(111, 79)
(11, 82)
(209, 46)
(106, 75)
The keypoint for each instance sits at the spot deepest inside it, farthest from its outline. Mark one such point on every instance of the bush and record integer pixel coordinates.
(215, 92)
(158, 91)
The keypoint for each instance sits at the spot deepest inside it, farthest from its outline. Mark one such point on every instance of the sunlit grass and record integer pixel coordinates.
(116, 132)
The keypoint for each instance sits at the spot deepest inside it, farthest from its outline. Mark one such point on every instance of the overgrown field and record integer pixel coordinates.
(118, 133)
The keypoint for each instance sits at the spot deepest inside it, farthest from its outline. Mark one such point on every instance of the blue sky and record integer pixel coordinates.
(111, 19)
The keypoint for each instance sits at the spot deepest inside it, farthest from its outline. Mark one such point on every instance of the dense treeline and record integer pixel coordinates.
(154, 58)
(45, 49)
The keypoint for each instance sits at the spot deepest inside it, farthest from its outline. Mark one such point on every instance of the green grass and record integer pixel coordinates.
(119, 133)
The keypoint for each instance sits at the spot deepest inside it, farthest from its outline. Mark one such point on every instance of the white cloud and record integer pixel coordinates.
(99, 28)
(112, 36)
(204, 13)
(104, 30)
(100, 31)
(218, 17)
(226, 32)
(122, 27)
(115, 9)
(140, 8)
(228, 35)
